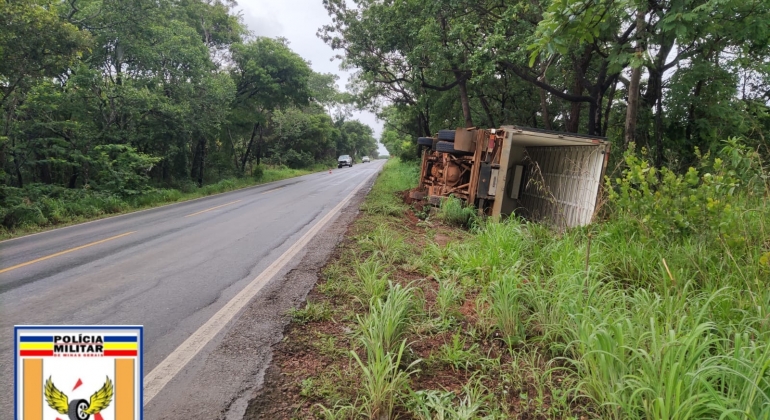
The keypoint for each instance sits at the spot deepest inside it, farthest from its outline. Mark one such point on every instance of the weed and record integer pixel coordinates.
(387, 321)
(372, 281)
(433, 404)
(506, 308)
(385, 244)
(454, 212)
(456, 355)
(328, 345)
(312, 312)
(383, 380)
(449, 295)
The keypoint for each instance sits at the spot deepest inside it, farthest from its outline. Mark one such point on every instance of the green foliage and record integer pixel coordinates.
(122, 170)
(433, 404)
(372, 281)
(456, 354)
(454, 212)
(396, 177)
(388, 319)
(129, 101)
(383, 381)
(312, 312)
(704, 199)
(506, 308)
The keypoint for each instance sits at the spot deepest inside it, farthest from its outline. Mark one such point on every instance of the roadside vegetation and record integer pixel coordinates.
(41, 207)
(657, 311)
(111, 105)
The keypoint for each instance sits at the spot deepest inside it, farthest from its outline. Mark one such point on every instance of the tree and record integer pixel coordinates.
(268, 75)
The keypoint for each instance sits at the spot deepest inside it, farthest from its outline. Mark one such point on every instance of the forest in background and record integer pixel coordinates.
(108, 101)
(668, 75)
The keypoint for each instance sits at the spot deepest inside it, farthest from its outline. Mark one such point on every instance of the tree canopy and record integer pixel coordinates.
(670, 75)
(126, 96)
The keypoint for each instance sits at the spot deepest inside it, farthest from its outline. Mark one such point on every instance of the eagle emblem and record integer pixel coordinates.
(78, 409)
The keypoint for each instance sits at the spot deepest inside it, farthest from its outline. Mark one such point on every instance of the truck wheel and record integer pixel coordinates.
(425, 141)
(447, 147)
(446, 135)
(339, 166)
(77, 410)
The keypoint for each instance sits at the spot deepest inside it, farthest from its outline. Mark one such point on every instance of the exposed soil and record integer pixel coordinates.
(312, 367)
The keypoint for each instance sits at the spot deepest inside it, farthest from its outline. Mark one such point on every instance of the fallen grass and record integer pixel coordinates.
(519, 321)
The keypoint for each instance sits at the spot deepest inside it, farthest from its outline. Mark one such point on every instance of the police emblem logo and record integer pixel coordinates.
(78, 373)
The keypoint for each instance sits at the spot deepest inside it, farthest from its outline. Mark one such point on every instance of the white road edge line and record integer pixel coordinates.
(166, 370)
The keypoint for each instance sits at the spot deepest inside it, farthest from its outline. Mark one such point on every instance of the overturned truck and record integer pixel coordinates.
(540, 175)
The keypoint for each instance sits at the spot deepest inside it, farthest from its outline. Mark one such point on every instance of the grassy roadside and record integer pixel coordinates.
(417, 319)
(43, 209)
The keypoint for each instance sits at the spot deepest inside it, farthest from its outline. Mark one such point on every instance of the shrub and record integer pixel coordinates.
(23, 215)
(258, 172)
(702, 199)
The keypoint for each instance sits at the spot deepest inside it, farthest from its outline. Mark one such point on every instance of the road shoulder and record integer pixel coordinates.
(226, 379)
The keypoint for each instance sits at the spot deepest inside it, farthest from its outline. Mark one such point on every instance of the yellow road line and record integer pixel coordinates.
(64, 252)
(213, 208)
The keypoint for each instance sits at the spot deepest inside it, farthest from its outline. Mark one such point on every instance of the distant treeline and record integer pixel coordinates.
(126, 96)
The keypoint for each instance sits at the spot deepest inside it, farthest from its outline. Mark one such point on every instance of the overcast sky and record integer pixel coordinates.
(298, 21)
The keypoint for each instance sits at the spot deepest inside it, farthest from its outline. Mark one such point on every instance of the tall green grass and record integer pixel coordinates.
(395, 177)
(381, 334)
(653, 329)
(612, 321)
(454, 212)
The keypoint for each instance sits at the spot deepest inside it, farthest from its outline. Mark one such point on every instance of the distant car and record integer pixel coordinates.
(344, 160)
(365, 159)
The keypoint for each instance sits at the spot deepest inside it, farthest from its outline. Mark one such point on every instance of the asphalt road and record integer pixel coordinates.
(171, 269)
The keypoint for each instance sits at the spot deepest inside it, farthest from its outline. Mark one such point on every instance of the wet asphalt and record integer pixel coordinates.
(170, 269)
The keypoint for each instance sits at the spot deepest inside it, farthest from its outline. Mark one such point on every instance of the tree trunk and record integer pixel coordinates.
(465, 102)
(202, 165)
(198, 162)
(593, 116)
(659, 125)
(573, 125)
(73, 178)
(259, 145)
(424, 124)
(44, 169)
(487, 111)
(17, 167)
(16, 163)
(633, 87)
(610, 98)
(248, 149)
(691, 113)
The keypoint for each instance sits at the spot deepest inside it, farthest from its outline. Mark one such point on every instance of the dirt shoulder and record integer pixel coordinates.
(452, 359)
(221, 384)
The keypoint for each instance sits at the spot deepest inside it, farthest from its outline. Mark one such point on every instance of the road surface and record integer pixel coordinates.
(178, 270)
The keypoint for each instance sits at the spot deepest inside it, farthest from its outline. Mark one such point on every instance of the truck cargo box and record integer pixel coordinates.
(540, 175)
(559, 176)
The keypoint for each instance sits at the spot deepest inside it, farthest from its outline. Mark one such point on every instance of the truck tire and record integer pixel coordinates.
(446, 135)
(447, 147)
(425, 141)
